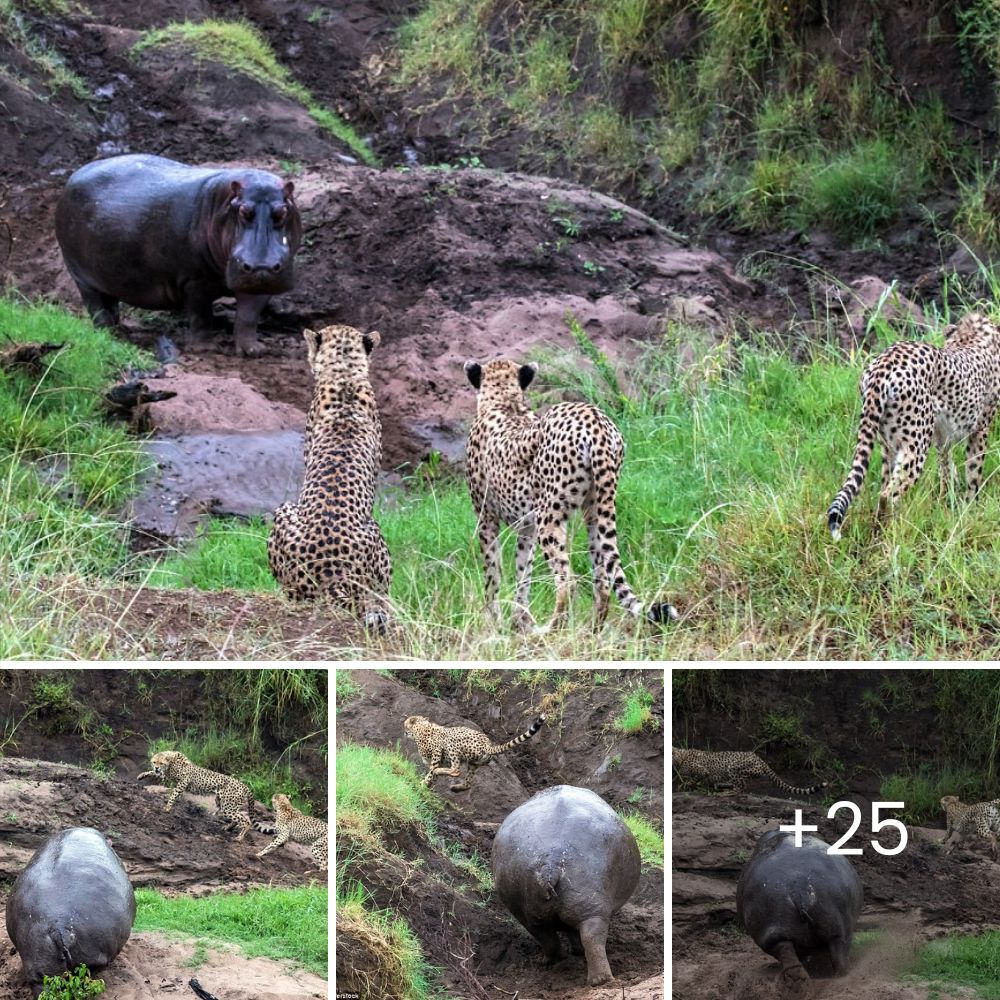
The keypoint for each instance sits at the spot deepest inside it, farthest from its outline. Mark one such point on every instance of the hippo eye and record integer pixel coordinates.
(246, 213)
(279, 215)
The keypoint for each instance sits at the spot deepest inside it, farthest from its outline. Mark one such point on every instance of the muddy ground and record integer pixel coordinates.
(48, 782)
(481, 949)
(855, 733)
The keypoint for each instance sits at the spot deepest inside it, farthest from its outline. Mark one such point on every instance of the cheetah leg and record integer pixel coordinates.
(975, 451)
(489, 532)
(432, 767)
(883, 492)
(527, 536)
(243, 822)
(318, 850)
(178, 788)
(277, 842)
(376, 608)
(552, 533)
(946, 472)
(906, 468)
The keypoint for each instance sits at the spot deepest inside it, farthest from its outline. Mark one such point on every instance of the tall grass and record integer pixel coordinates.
(973, 962)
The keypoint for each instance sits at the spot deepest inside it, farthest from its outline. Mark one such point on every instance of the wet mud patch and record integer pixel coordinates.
(910, 899)
(479, 946)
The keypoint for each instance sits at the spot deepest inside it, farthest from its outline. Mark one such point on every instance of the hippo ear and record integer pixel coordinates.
(312, 343)
(371, 340)
(475, 373)
(526, 373)
(288, 190)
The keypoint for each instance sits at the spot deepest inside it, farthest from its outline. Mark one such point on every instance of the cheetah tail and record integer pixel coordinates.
(871, 415)
(526, 735)
(793, 789)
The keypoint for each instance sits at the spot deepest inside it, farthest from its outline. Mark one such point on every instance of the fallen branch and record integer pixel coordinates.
(203, 993)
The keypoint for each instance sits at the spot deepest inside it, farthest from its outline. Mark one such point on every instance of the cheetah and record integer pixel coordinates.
(533, 472)
(291, 824)
(916, 394)
(981, 820)
(327, 544)
(459, 744)
(232, 796)
(729, 767)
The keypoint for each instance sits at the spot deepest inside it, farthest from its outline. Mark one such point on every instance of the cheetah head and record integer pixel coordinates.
(500, 381)
(949, 801)
(163, 761)
(339, 351)
(411, 723)
(281, 803)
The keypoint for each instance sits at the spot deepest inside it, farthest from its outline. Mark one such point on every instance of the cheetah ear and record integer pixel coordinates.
(475, 373)
(312, 343)
(526, 373)
(371, 340)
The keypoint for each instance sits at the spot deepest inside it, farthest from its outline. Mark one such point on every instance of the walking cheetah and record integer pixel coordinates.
(981, 820)
(729, 767)
(916, 394)
(459, 744)
(292, 824)
(232, 796)
(532, 473)
(327, 544)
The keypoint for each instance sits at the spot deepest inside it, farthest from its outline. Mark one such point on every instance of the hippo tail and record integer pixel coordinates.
(526, 735)
(60, 942)
(793, 789)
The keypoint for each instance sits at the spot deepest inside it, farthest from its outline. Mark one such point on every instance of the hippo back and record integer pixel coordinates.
(799, 894)
(565, 853)
(72, 904)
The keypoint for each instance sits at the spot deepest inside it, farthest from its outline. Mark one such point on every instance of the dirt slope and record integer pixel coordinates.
(481, 949)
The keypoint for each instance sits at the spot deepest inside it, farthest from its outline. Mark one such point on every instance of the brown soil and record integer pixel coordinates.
(909, 898)
(481, 949)
(186, 851)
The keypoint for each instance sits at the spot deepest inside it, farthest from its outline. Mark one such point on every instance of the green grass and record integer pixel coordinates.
(636, 715)
(271, 923)
(379, 787)
(29, 43)
(649, 839)
(347, 690)
(973, 962)
(241, 47)
(923, 788)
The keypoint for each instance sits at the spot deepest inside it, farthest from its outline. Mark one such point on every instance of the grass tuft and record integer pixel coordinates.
(649, 839)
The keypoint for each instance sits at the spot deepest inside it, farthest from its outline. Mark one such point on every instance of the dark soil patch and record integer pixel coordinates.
(474, 940)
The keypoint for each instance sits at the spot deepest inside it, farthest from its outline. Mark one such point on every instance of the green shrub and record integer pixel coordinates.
(75, 985)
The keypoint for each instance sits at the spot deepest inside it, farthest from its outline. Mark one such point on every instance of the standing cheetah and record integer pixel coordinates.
(458, 744)
(532, 473)
(981, 819)
(293, 824)
(916, 394)
(328, 544)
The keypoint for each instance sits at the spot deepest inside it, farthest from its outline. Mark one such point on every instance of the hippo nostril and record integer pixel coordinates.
(276, 268)
(245, 267)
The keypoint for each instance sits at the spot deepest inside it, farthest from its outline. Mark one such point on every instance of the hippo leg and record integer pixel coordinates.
(248, 310)
(839, 949)
(546, 936)
(793, 976)
(575, 944)
(103, 308)
(198, 299)
(594, 937)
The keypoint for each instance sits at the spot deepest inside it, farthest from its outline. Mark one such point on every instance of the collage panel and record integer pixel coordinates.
(834, 833)
(500, 833)
(163, 833)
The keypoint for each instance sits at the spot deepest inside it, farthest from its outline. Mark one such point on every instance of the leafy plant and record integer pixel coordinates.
(71, 985)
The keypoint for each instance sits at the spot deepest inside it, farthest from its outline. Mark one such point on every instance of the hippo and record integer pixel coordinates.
(159, 234)
(564, 861)
(798, 901)
(73, 904)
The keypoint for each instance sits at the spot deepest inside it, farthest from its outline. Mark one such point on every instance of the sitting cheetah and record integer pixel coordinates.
(291, 824)
(914, 394)
(233, 797)
(729, 767)
(981, 820)
(532, 473)
(327, 544)
(458, 744)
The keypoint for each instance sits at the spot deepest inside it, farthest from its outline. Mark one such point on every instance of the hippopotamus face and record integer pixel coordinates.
(263, 228)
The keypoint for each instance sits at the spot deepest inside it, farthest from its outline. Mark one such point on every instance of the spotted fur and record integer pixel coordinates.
(729, 767)
(981, 820)
(459, 744)
(293, 824)
(914, 395)
(532, 472)
(327, 545)
(232, 796)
